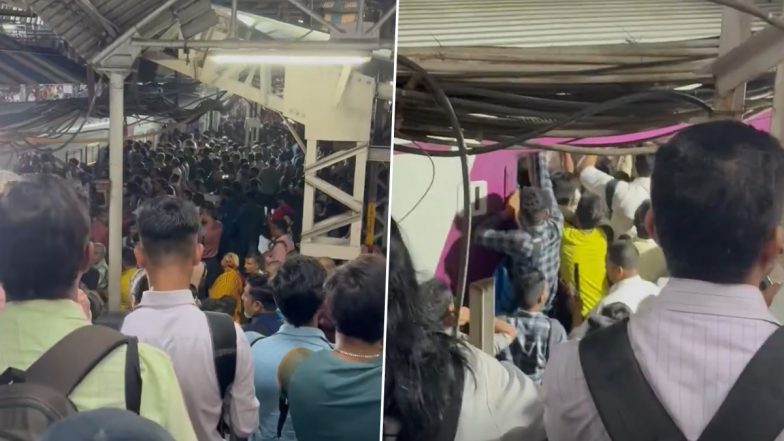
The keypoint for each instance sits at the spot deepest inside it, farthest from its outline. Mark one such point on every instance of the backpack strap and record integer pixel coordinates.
(224, 348)
(60, 370)
(625, 401)
(256, 340)
(759, 383)
(286, 368)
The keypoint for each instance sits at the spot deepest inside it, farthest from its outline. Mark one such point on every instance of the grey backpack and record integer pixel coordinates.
(34, 399)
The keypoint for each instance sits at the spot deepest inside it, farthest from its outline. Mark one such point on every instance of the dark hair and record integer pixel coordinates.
(533, 206)
(209, 209)
(43, 224)
(639, 220)
(529, 288)
(608, 316)
(421, 360)
(590, 211)
(356, 293)
(624, 254)
(298, 289)
(644, 165)
(281, 225)
(168, 226)
(564, 186)
(261, 291)
(716, 194)
(437, 298)
(128, 257)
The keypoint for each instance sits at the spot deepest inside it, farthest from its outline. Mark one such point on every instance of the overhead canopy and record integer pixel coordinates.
(22, 64)
(88, 26)
(536, 23)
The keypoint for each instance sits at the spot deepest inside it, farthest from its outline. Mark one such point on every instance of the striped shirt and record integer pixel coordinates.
(691, 341)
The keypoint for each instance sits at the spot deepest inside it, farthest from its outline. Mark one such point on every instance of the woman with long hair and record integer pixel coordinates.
(438, 388)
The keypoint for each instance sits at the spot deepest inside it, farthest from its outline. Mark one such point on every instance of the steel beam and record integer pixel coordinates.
(348, 45)
(735, 29)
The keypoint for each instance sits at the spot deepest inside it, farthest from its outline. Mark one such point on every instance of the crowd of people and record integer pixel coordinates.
(225, 330)
(630, 304)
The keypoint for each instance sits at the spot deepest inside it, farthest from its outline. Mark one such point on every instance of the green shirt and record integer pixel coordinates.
(30, 328)
(335, 400)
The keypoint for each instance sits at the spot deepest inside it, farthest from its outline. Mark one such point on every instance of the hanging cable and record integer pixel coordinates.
(465, 225)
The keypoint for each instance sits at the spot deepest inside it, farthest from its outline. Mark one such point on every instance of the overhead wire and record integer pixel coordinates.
(466, 223)
(429, 185)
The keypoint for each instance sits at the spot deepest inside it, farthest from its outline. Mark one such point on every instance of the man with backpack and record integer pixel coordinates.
(299, 294)
(51, 357)
(209, 351)
(702, 360)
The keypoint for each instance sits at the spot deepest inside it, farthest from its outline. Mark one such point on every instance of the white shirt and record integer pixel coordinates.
(631, 292)
(171, 322)
(691, 341)
(627, 198)
(500, 403)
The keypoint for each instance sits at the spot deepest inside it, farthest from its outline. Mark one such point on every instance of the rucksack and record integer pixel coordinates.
(224, 352)
(33, 399)
(630, 410)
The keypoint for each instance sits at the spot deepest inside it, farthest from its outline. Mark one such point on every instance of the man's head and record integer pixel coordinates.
(717, 203)
(531, 291)
(298, 289)
(644, 165)
(99, 253)
(590, 211)
(168, 230)
(128, 258)
(533, 206)
(278, 227)
(439, 302)
(44, 226)
(639, 220)
(622, 261)
(257, 297)
(356, 293)
(565, 187)
(253, 264)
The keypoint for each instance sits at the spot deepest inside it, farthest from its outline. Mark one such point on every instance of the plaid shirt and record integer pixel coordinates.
(535, 333)
(532, 248)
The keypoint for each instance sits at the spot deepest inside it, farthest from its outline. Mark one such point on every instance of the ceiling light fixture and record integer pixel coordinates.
(313, 60)
(689, 87)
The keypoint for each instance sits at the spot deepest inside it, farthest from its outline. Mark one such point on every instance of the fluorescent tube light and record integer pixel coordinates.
(689, 86)
(316, 60)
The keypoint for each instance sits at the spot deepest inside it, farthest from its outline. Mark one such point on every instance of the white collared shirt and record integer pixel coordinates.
(631, 292)
(691, 341)
(627, 198)
(170, 321)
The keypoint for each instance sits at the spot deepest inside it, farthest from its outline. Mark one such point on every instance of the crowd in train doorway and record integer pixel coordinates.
(631, 300)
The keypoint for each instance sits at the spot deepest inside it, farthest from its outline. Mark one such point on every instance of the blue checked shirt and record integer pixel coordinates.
(532, 247)
(536, 334)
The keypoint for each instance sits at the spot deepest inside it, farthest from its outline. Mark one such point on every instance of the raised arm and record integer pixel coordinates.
(489, 236)
(544, 182)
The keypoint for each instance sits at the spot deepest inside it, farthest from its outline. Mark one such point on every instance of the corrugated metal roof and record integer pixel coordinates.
(531, 23)
(20, 64)
(87, 33)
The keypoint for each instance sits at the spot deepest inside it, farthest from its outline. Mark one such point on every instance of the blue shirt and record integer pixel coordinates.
(267, 354)
(266, 323)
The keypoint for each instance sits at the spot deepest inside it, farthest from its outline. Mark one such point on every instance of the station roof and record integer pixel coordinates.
(22, 64)
(536, 23)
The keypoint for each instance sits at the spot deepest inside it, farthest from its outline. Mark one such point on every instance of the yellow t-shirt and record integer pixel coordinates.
(125, 288)
(588, 249)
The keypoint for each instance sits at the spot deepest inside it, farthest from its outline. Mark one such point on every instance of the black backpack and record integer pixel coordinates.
(630, 411)
(34, 399)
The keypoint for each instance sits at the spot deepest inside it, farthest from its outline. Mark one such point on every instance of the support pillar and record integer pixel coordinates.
(116, 124)
(735, 29)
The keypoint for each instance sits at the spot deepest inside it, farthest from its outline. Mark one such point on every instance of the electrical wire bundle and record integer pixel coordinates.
(507, 94)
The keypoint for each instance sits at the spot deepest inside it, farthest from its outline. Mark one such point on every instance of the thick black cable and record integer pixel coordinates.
(427, 190)
(589, 111)
(465, 224)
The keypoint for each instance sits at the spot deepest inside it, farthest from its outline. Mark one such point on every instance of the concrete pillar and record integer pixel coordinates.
(116, 123)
